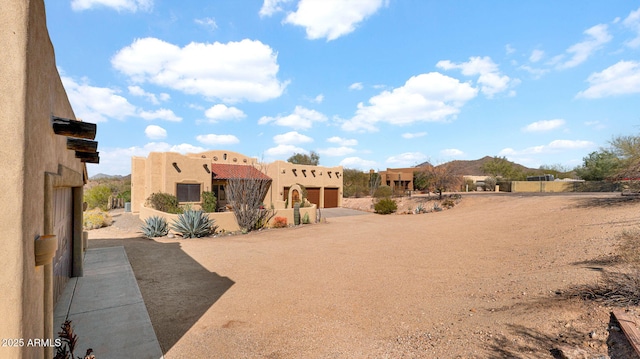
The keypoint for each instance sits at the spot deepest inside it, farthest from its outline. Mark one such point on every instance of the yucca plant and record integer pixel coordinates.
(194, 224)
(155, 226)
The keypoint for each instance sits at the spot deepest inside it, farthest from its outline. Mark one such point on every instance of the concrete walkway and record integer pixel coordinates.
(107, 310)
(341, 212)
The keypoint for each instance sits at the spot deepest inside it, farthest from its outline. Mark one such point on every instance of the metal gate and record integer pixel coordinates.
(63, 229)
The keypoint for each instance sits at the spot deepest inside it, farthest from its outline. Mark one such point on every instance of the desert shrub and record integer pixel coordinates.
(305, 218)
(470, 185)
(96, 218)
(164, 202)
(385, 206)
(279, 222)
(97, 197)
(490, 184)
(155, 226)
(194, 224)
(209, 202)
(126, 195)
(383, 192)
(448, 203)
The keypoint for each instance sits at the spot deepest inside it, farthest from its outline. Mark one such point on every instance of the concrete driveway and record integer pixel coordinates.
(341, 212)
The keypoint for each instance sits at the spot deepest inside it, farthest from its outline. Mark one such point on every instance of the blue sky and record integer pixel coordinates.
(365, 83)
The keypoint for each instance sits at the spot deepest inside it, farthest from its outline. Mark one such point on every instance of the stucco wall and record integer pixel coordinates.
(227, 220)
(542, 186)
(31, 92)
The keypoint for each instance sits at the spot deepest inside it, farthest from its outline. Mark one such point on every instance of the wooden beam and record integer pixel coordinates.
(629, 327)
(73, 128)
(80, 145)
(88, 157)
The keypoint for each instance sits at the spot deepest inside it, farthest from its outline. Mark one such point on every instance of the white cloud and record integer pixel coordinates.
(270, 7)
(597, 36)
(409, 135)
(596, 125)
(140, 92)
(406, 159)
(427, 97)
(291, 138)
(356, 86)
(281, 151)
(221, 112)
(451, 152)
(342, 141)
(536, 55)
(544, 125)
(231, 72)
(537, 73)
(490, 79)
(633, 22)
(331, 19)
(358, 163)
(619, 79)
(553, 147)
(160, 114)
(217, 140)
(336, 151)
(119, 5)
(509, 49)
(155, 132)
(318, 99)
(208, 22)
(301, 118)
(96, 104)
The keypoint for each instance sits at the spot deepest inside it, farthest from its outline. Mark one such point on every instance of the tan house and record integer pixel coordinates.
(400, 179)
(187, 176)
(42, 157)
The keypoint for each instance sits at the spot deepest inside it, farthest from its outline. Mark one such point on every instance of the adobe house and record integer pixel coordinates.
(187, 176)
(398, 178)
(43, 158)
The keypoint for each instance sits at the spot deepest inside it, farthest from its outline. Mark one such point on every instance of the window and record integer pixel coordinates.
(188, 192)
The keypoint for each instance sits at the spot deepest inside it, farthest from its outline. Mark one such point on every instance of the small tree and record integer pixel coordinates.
(441, 178)
(303, 159)
(501, 167)
(97, 197)
(598, 166)
(245, 194)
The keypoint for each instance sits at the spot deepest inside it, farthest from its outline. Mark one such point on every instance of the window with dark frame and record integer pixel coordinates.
(188, 192)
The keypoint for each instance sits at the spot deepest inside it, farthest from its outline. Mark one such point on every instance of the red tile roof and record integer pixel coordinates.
(227, 171)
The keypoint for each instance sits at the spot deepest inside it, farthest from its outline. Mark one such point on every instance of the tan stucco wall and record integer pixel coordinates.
(227, 221)
(392, 174)
(31, 92)
(542, 186)
(283, 176)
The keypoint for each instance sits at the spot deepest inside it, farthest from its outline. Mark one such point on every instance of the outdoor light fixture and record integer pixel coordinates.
(175, 165)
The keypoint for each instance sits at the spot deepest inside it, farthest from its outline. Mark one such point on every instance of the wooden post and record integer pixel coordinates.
(80, 145)
(73, 128)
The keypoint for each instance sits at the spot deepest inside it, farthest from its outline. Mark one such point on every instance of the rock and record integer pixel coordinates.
(568, 352)
(171, 235)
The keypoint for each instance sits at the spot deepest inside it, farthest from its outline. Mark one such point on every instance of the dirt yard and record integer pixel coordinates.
(481, 280)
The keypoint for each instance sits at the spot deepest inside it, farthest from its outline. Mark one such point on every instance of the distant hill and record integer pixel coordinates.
(474, 167)
(102, 176)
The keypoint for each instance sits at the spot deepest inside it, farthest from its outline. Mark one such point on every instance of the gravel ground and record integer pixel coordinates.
(476, 281)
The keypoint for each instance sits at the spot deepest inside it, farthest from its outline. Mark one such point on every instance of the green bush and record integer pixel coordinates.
(155, 226)
(164, 202)
(97, 197)
(209, 202)
(305, 218)
(194, 224)
(383, 192)
(385, 206)
(126, 195)
(96, 218)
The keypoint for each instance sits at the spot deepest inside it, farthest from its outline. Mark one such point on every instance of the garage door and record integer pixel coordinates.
(63, 227)
(313, 195)
(330, 197)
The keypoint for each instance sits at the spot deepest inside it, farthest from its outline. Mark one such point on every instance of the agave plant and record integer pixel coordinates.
(155, 226)
(194, 224)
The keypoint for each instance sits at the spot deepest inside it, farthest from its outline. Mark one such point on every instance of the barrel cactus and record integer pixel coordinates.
(296, 213)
